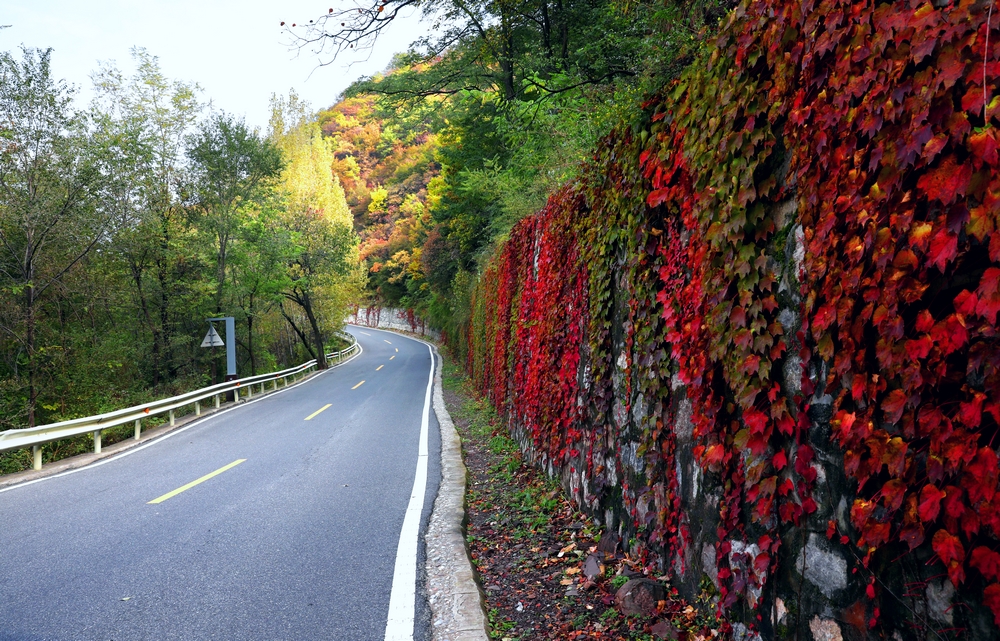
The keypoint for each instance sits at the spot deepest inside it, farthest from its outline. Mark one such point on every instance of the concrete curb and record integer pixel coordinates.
(457, 604)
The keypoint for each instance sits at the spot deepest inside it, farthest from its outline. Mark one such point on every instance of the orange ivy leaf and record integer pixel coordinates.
(714, 454)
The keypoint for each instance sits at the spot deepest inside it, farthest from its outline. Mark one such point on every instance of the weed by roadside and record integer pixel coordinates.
(535, 554)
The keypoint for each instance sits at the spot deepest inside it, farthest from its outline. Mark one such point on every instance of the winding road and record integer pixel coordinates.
(276, 519)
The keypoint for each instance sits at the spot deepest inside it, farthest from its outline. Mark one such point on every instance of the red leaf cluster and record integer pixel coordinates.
(813, 211)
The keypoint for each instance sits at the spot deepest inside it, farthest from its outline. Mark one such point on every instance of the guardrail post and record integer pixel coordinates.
(171, 418)
(138, 428)
(97, 441)
(216, 401)
(197, 408)
(236, 395)
(250, 390)
(275, 382)
(36, 457)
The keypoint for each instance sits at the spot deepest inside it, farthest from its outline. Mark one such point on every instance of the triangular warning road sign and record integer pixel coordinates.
(212, 338)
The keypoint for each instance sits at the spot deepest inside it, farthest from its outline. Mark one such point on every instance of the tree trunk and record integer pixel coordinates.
(317, 334)
(163, 277)
(298, 332)
(137, 270)
(220, 271)
(563, 32)
(253, 361)
(29, 341)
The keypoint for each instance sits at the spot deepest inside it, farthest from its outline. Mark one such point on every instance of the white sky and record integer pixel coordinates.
(236, 51)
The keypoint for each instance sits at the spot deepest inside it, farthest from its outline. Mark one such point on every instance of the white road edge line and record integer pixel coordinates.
(169, 434)
(402, 598)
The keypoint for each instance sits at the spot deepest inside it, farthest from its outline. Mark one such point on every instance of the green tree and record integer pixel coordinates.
(232, 172)
(158, 114)
(49, 216)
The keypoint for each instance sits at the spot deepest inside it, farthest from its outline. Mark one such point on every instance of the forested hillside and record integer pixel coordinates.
(472, 129)
(127, 223)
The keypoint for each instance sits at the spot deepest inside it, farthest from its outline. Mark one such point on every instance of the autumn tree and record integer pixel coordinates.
(322, 269)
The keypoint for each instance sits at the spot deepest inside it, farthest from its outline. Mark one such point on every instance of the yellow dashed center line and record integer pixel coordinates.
(387, 341)
(380, 367)
(358, 385)
(317, 412)
(392, 357)
(365, 333)
(161, 499)
(397, 350)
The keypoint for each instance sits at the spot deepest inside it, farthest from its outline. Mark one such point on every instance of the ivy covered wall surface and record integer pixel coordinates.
(758, 337)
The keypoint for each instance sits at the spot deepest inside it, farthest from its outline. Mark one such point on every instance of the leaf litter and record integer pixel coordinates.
(540, 562)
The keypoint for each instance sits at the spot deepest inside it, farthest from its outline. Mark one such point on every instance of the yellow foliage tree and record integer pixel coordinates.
(324, 272)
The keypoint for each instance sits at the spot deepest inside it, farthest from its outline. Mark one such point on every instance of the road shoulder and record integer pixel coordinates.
(457, 604)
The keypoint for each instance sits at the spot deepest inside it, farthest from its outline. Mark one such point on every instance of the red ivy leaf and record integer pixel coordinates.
(779, 460)
(953, 505)
(843, 422)
(761, 563)
(970, 523)
(987, 562)
(971, 413)
(948, 548)
(984, 146)
(924, 321)
(714, 454)
(658, 196)
(860, 511)
(950, 67)
(989, 295)
(945, 183)
(944, 248)
(892, 494)
(930, 503)
(893, 406)
(965, 302)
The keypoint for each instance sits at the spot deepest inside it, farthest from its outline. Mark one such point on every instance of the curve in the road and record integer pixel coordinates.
(300, 540)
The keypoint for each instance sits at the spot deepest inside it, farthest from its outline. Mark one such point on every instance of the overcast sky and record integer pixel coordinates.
(236, 51)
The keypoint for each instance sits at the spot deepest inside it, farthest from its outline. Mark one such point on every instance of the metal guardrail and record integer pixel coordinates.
(35, 437)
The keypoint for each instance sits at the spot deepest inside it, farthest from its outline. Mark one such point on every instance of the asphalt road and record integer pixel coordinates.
(298, 541)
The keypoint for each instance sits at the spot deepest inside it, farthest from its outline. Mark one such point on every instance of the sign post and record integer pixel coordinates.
(230, 344)
(212, 339)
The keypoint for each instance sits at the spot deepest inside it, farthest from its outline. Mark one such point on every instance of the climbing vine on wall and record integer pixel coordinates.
(809, 212)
